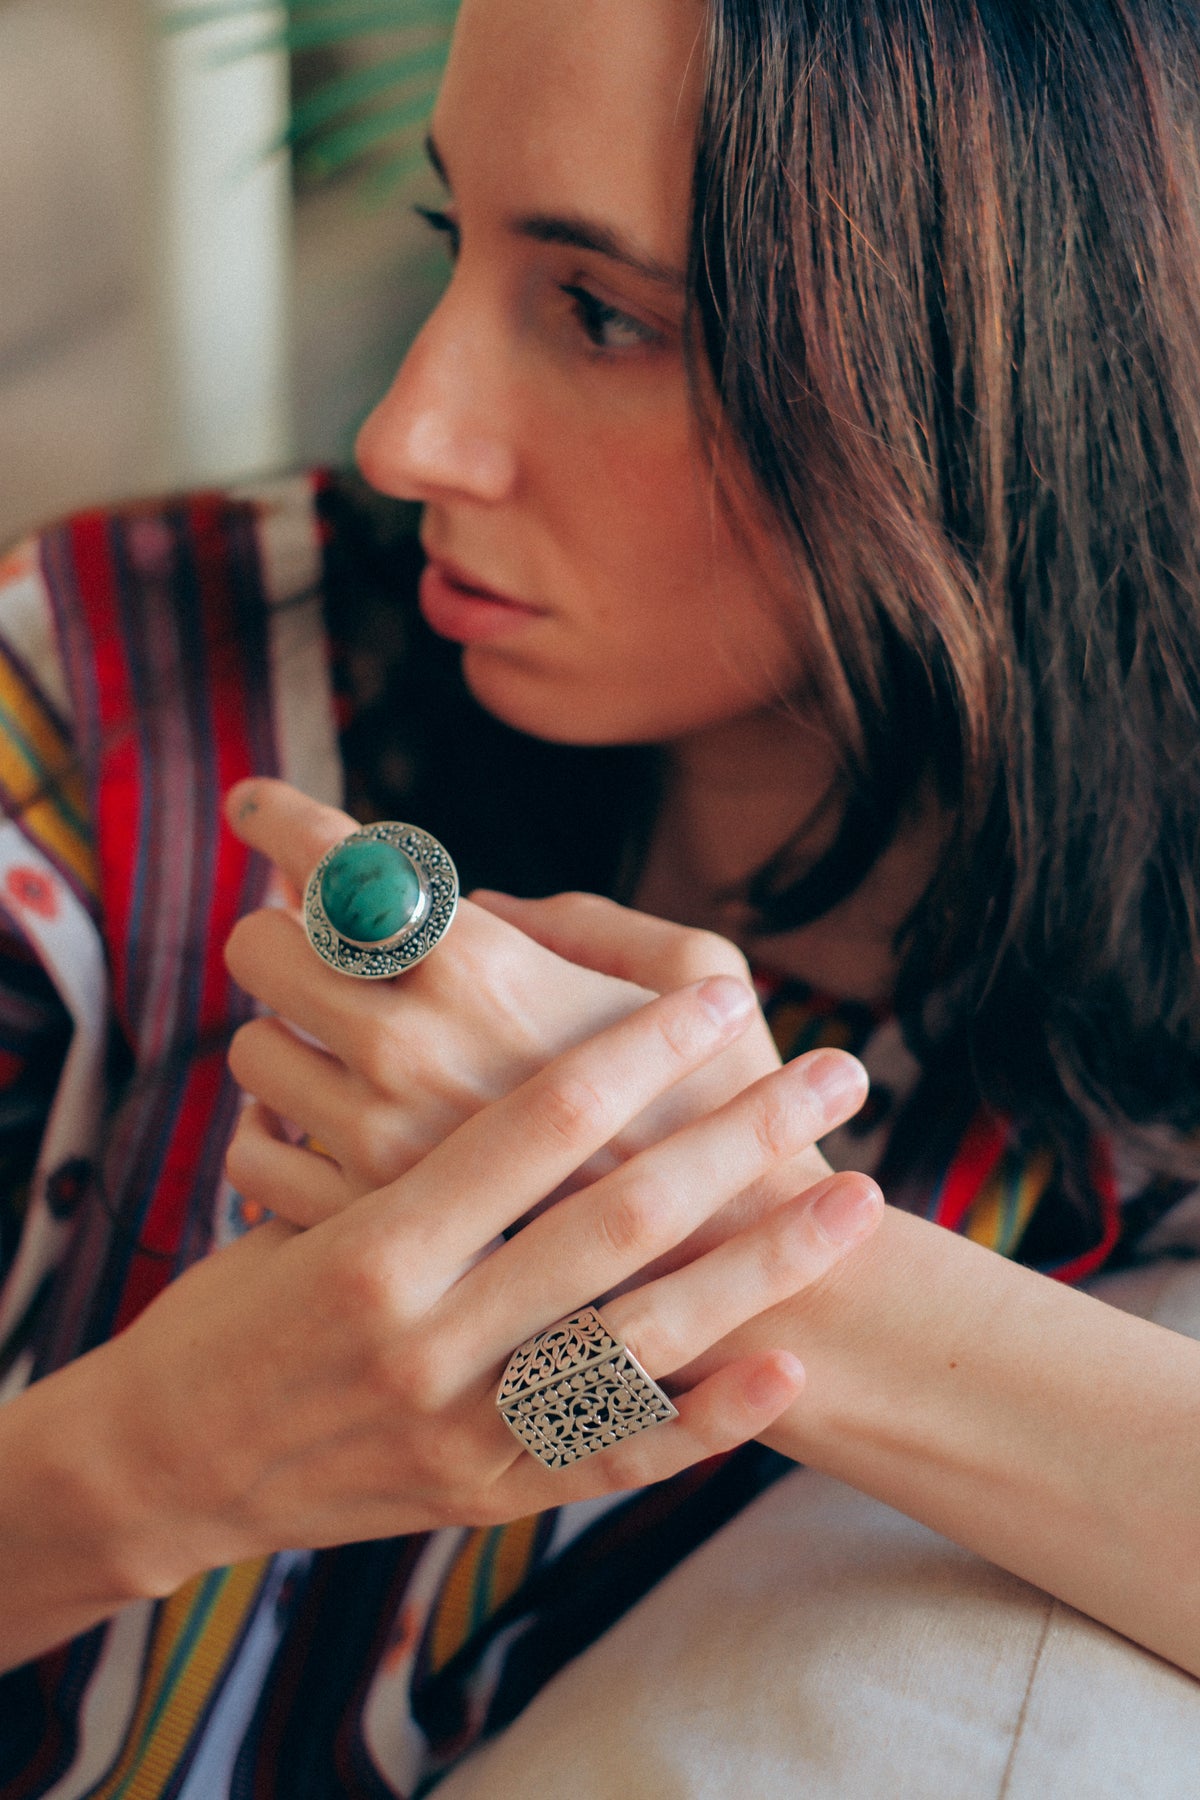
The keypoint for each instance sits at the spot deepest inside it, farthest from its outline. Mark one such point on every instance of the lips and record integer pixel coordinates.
(458, 606)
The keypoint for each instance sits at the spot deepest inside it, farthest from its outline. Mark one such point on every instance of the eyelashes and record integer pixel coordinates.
(606, 328)
(441, 223)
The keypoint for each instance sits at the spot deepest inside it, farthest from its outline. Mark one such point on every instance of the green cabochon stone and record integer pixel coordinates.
(370, 891)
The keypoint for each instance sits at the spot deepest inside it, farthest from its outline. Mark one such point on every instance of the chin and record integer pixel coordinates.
(544, 709)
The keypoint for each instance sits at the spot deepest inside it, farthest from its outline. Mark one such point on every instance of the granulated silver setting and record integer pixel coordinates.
(438, 879)
(574, 1389)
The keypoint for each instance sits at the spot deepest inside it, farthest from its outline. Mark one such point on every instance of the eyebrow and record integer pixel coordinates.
(578, 233)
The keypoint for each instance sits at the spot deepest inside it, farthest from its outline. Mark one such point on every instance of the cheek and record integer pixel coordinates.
(638, 508)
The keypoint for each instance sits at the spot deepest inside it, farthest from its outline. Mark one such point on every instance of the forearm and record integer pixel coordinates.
(1037, 1426)
(78, 1543)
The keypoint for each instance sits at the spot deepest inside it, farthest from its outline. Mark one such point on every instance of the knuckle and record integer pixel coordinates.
(631, 1221)
(782, 1254)
(247, 1046)
(775, 1122)
(241, 1165)
(423, 1376)
(379, 1151)
(240, 945)
(360, 1287)
(683, 1029)
(377, 1054)
(574, 900)
(569, 1110)
(656, 1344)
(697, 953)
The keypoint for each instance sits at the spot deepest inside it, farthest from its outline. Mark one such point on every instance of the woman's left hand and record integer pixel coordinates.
(398, 1065)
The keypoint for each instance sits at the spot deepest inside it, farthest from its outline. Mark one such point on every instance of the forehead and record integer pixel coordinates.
(580, 106)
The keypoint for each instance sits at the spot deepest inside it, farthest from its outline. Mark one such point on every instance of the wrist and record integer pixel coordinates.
(95, 1495)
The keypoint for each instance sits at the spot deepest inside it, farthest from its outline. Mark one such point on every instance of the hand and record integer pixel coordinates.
(404, 1062)
(333, 1384)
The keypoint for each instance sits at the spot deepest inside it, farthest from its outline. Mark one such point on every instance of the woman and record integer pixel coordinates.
(853, 541)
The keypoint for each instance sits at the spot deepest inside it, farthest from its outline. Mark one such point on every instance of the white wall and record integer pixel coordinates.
(80, 408)
(162, 319)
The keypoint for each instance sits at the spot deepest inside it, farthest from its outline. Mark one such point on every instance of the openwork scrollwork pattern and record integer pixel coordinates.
(575, 1389)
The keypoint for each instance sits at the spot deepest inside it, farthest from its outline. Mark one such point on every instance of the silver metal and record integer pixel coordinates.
(575, 1388)
(438, 882)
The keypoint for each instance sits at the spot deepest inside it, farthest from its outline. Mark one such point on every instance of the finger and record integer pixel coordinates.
(373, 1139)
(269, 955)
(522, 1147)
(738, 1402)
(286, 825)
(614, 940)
(295, 1184)
(593, 1240)
(721, 1412)
(670, 1322)
(296, 1079)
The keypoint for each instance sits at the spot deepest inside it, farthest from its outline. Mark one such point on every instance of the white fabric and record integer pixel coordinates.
(823, 1646)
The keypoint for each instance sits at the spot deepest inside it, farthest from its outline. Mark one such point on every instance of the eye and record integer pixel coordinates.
(441, 223)
(606, 327)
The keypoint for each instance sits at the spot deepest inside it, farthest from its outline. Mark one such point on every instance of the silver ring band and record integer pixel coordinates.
(575, 1389)
(380, 900)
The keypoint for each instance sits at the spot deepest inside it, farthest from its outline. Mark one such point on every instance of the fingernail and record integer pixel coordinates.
(847, 1210)
(838, 1079)
(726, 1000)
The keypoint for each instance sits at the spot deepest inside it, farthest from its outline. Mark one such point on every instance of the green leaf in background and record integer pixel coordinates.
(365, 74)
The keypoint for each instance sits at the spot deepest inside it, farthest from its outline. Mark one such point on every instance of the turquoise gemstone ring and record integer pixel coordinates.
(380, 900)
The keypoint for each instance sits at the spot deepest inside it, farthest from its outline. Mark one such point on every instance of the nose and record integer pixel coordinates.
(438, 433)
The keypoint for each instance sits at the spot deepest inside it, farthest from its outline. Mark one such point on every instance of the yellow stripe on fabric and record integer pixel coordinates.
(197, 1629)
(490, 1566)
(1006, 1201)
(506, 1563)
(451, 1611)
(38, 770)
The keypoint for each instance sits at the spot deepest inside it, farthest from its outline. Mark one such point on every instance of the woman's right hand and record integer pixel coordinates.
(378, 1072)
(305, 1388)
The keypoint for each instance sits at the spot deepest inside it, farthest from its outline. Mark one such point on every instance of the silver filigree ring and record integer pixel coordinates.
(575, 1388)
(380, 900)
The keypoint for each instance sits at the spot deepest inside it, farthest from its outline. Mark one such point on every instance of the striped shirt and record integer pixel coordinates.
(148, 659)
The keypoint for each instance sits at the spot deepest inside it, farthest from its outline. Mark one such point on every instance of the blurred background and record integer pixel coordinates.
(209, 265)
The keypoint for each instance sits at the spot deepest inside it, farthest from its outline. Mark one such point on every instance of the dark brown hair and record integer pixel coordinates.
(946, 267)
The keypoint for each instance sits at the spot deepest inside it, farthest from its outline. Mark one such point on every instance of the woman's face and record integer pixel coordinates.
(576, 547)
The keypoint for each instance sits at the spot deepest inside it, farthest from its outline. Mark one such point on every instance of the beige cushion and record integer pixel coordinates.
(825, 1646)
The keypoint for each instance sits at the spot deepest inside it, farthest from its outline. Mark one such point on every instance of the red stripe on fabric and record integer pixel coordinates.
(230, 702)
(1104, 1181)
(118, 804)
(163, 1231)
(974, 1160)
(208, 522)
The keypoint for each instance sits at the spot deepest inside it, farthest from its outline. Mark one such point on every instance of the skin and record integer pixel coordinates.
(1035, 1425)
(376, 1325)
(546, 399)
(377, 1336)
